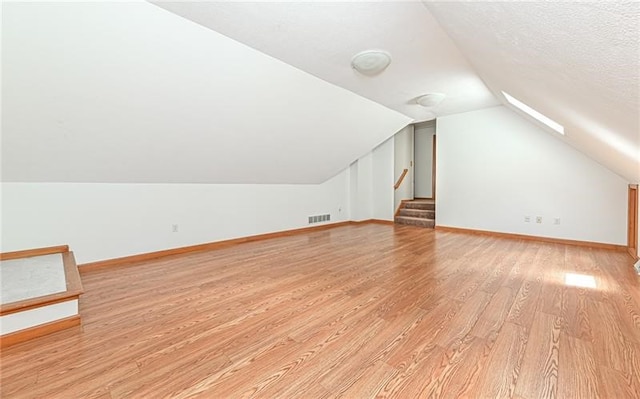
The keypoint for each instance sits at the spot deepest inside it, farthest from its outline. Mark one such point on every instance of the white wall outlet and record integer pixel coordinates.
(556, 221)
(527, 219)
(174, 228)
(538, 219)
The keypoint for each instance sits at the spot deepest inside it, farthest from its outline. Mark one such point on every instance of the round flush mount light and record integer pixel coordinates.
(430, 100)
(371, 62)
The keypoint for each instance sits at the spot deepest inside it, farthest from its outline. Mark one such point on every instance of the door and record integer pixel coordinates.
(632, 231)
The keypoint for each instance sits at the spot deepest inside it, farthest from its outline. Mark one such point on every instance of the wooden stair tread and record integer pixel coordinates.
(414, 218)
(416, 212)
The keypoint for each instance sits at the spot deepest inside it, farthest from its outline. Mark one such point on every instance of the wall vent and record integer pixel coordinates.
(319, 218)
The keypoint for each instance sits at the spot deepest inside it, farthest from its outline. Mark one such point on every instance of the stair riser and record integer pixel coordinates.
(410, 205)
(418, 213)
(419, 223)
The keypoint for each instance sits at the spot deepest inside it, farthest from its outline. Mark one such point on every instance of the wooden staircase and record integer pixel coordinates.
(420, 213)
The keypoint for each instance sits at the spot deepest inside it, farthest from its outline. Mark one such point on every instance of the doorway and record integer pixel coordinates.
(425, 150)
(632, 229)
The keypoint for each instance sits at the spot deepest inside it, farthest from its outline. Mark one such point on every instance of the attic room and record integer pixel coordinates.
(320, 199)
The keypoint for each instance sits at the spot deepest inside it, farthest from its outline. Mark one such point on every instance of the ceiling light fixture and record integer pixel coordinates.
(431, 99)
(371, 62)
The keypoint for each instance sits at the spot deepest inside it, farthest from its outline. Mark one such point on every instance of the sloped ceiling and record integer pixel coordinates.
(321, 38)
(576, 62)
(128, 92)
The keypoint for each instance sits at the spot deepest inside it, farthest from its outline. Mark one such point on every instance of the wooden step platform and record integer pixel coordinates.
(33, 302)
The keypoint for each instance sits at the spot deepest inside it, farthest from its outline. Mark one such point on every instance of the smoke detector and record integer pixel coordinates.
(430, 99)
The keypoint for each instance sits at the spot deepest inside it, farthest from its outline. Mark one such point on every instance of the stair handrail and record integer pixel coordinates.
(400, 179)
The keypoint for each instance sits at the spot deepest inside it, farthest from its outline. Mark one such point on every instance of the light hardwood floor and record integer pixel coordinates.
(357, 312)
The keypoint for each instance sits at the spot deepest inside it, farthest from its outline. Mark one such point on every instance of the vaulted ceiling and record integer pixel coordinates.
(237, 92)
(576, 62)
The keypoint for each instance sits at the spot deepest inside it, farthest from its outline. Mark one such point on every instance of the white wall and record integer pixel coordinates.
(17, 321)
(362, 208)
(104, 221)
(383, 169)
(403, 159)
(424, 160)
(494, 168)
(371, 183)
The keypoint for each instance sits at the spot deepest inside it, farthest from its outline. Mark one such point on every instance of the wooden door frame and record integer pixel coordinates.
(433, 169)
(632, 221)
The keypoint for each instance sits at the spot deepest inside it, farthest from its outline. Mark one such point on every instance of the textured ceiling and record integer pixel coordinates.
(322, 37)
(128, 92)
(576, 62)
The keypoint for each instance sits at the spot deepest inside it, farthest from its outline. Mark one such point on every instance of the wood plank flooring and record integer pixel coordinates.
(356, 312)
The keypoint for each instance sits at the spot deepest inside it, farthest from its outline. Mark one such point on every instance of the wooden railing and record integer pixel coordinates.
(400, 179)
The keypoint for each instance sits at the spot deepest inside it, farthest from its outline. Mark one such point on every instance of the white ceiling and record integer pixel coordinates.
(576, 62)
(128, 92)
(322, 37)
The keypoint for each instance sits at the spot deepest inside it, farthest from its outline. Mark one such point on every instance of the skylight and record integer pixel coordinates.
(533, 113)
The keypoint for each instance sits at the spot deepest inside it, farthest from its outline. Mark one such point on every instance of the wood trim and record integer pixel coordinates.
(38, 302)
(433, 169)
(632, 221)
(203, 247)
(372, 221)
(38, 331)
(91, 266)
(380, 221)
(27, 253)
(74, 290)
(400, 179)
(532, 238)
(74, 283)
(631, 253)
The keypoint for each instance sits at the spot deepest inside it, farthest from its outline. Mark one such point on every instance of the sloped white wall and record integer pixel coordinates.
(126, 92)
(104, 221)
(494, 168)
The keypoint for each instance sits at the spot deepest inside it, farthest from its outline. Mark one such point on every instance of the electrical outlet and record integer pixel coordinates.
(527, 219)
(556, 221)
(538, 219)
(174, 228)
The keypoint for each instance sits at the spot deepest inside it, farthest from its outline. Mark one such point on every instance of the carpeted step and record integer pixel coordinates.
(424, 205)
(418, 213)
(413, 221)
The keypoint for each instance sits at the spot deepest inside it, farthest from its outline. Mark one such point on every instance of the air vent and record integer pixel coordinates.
(319, 218)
